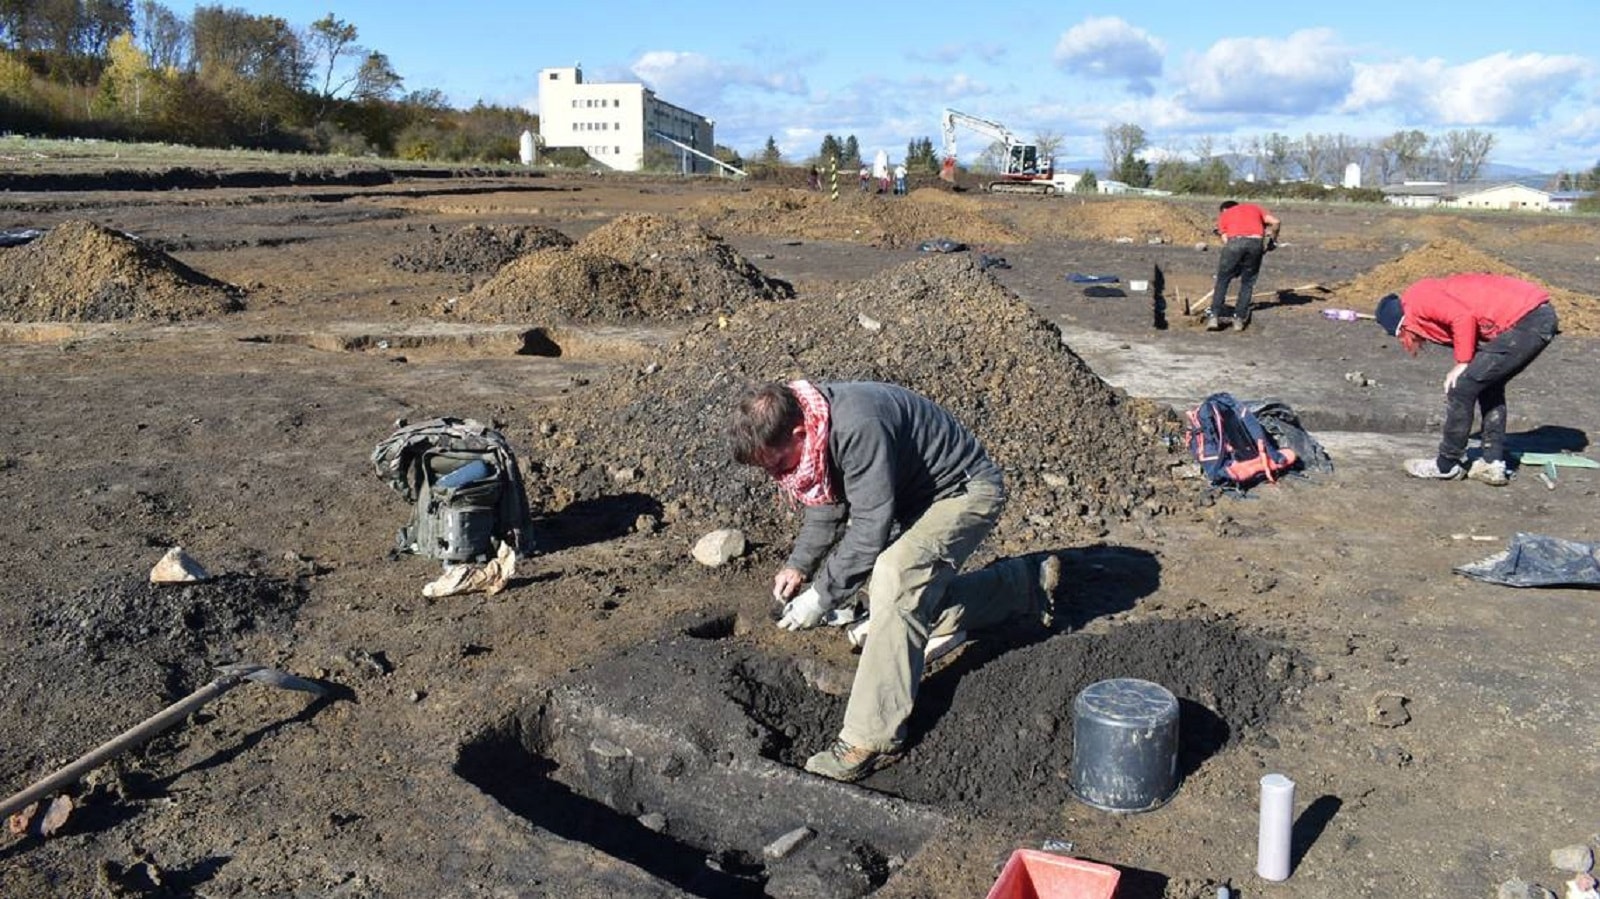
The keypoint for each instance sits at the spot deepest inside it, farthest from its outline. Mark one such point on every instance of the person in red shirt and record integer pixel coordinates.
(1247, 233)
(1495, 325)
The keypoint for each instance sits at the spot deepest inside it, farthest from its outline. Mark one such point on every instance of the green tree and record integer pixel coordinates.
(770, 154)
(728, 155)
(1122, 142)
(852, 152)
(1132, 171)
(921, 158)
(1087, 184)
(329, 39)
(830, 152)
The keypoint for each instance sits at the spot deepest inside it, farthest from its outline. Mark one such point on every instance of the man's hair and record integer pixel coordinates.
(1227, 204)
(767, 414)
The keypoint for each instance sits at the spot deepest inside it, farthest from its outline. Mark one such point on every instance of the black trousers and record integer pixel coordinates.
(1241, 258)
(1483, 386)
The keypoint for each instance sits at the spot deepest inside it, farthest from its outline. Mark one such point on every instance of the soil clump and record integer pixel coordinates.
(939, 326)
(478, 249)
(82, 272)
(637, 266)
(872, 219)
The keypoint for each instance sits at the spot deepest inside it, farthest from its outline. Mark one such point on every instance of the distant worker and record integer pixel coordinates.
(1247, 233)
(900, 179)
(866, 177)
(814, 180)
(895, 495)
(1495, 325)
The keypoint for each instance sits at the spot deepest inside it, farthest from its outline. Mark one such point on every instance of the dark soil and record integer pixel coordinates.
(1439, 729)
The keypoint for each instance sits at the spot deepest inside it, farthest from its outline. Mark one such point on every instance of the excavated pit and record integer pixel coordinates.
(682, 757)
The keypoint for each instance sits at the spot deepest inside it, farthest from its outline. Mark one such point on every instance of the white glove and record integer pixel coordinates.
(803, 612)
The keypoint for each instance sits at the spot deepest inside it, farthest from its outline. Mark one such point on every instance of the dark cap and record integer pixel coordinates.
(1389, 314)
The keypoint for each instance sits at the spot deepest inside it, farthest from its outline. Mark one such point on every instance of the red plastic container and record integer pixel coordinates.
(1031, 874)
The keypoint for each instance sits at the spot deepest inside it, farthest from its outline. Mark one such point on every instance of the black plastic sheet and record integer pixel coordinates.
(1532, 560)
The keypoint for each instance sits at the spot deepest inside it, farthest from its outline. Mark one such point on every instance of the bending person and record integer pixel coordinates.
(1495, 325)
(877, 457)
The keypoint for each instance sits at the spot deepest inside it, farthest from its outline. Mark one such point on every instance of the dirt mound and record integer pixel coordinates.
(1580, 313)
(478, 249)
(636, 266)
(1078, 455)
(82, 272)
(1138, 221)
(872, 219)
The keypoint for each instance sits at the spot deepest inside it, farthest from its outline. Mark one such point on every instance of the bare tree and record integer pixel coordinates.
(163, 36)
(1205, 148)
(103, 20)
(1049, 143)
(1312, 157)
(1407, 153)
(1275, 151)
(1344, 149)
(1468, 151)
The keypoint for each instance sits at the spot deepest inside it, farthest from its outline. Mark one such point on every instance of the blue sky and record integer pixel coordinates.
(1529, 72)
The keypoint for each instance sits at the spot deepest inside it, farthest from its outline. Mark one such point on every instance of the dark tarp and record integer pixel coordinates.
(1531, 560)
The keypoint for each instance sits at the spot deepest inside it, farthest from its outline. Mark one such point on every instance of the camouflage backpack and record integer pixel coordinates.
(465, 489)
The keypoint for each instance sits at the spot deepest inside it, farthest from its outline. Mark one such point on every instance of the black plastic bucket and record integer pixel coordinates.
(1125, 745)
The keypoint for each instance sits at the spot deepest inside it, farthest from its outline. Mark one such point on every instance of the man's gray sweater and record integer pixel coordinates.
(892, 453)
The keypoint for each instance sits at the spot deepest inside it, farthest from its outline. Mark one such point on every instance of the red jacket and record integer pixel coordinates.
(1466, 310)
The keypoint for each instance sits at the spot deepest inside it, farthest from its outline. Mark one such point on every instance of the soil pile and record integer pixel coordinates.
(873, 219)
(1136, 221)
(83, 272)
(637, 266)
(478, 249)
(1580, 313)
(1078, 455)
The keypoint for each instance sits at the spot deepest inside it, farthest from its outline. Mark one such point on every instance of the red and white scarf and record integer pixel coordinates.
(809, 484)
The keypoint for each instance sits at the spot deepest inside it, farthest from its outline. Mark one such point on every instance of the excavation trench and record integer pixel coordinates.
(682, 757)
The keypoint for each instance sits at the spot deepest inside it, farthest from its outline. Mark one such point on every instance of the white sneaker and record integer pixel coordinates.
(1491, 473)
(1428, 469)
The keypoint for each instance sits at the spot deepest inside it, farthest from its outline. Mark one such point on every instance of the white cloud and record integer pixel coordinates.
(1306, 72)
(1110, 48)
(949, 54)
(1501, 89)
(698, 82)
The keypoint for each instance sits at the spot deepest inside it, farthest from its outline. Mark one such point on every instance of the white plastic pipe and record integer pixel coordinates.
(1277, 824)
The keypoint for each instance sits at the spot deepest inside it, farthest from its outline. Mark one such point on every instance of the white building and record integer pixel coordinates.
(618, 122)
(1475, 195)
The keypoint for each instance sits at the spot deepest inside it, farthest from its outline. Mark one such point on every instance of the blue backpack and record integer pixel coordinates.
(1232, 447)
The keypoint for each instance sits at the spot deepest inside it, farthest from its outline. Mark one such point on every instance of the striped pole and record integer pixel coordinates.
(833, 178)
